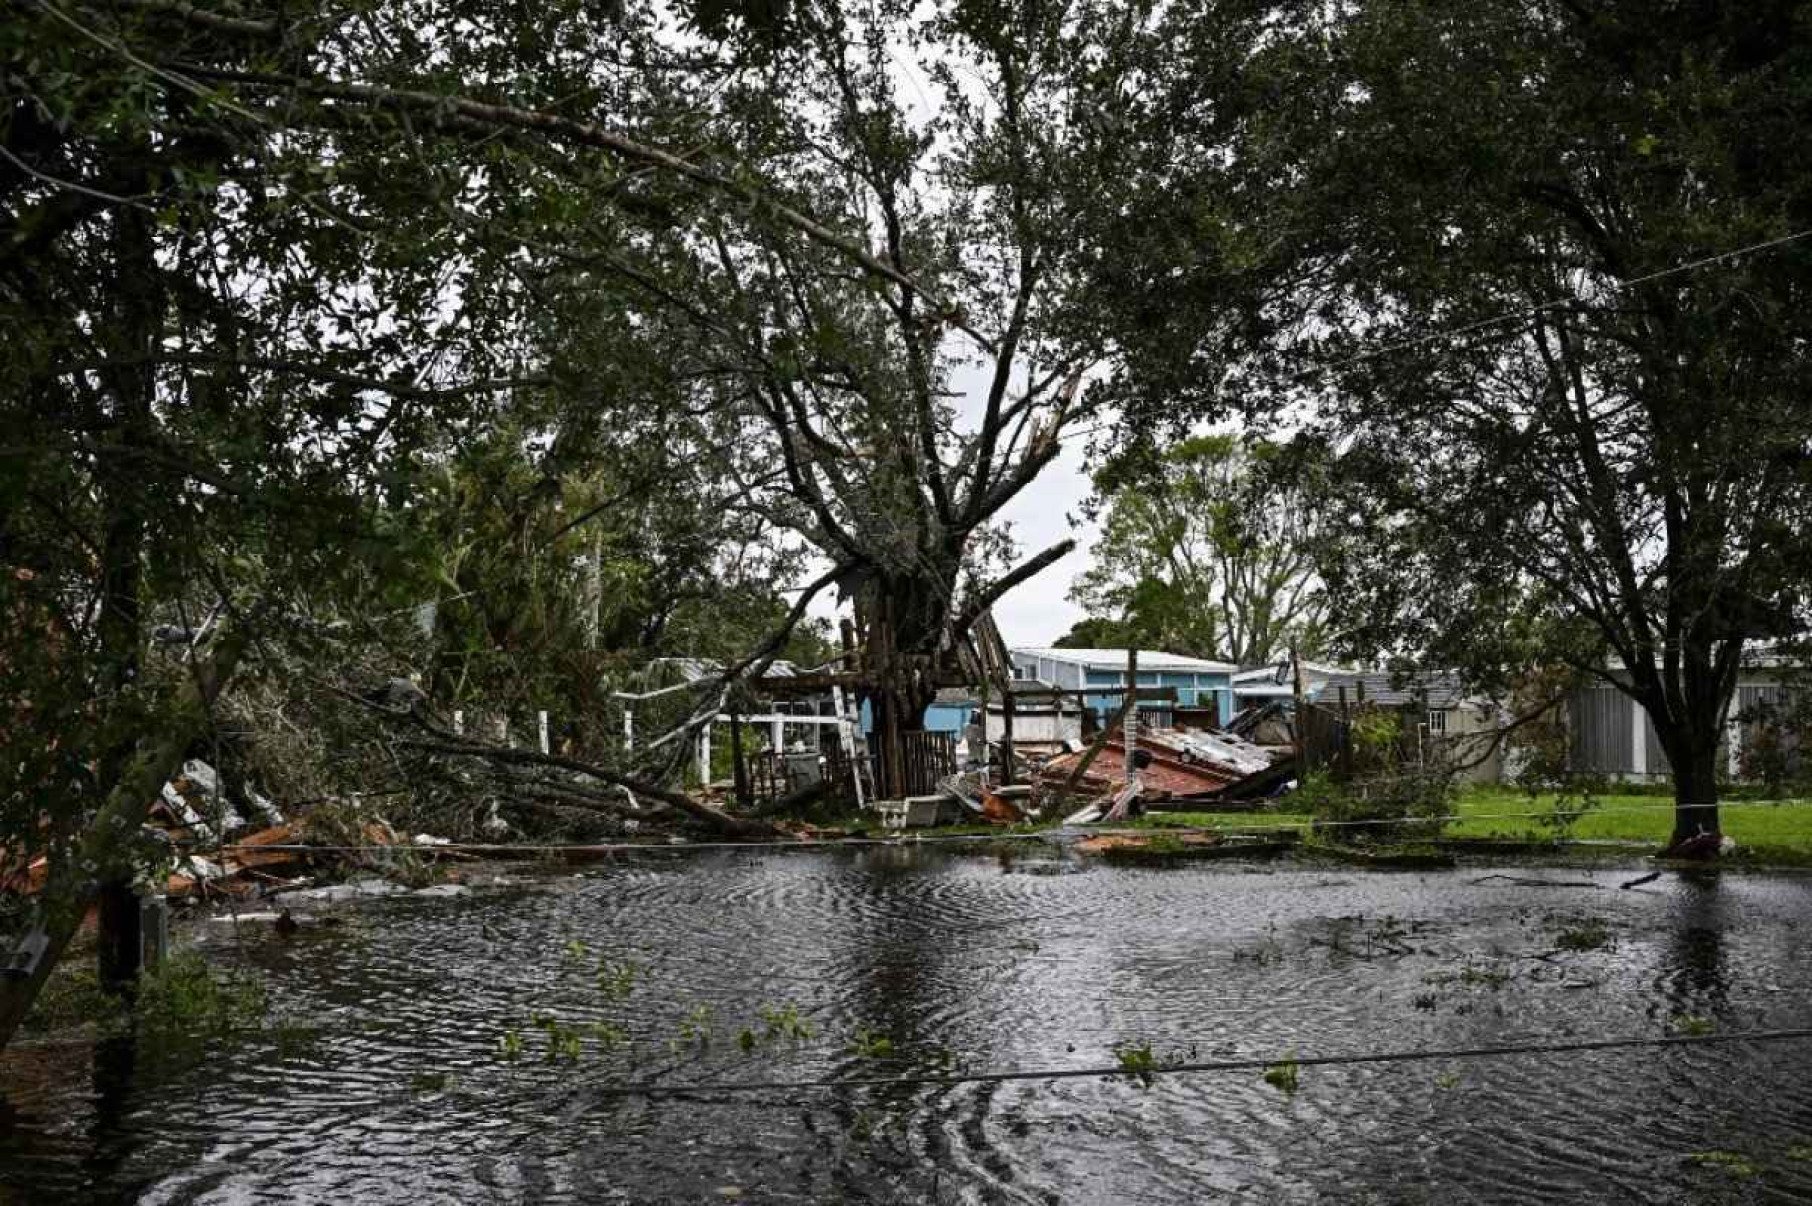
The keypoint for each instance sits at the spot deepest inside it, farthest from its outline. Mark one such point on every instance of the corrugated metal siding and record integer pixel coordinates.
(1651, 741)
(1601, 731)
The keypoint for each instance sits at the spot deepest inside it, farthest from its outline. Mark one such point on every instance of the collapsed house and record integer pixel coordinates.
(1180, 768)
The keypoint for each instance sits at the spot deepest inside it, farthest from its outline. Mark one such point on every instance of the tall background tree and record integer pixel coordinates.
(1535, 298)
(1211, 550)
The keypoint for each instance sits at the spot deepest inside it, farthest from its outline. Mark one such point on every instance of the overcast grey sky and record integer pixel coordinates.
(1039, 611)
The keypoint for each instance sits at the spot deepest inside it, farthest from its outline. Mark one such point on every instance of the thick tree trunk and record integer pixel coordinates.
(133, 384)
(901, 620)
(1695, 766)
(105, 850)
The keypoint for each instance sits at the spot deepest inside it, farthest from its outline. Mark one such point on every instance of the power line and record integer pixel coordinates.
(1196, 1067)
(1558, 302)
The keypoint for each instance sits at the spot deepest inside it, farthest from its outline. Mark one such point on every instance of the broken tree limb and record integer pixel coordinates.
(1524, 881)
(436, 108)
(711, 818)
(1099, 744)
(105, 847)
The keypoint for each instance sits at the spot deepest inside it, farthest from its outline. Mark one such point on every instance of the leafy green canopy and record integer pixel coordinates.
(1448, 245)
(1205, 553)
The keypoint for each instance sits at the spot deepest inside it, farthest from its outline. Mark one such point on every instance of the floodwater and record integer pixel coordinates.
(399, 1091)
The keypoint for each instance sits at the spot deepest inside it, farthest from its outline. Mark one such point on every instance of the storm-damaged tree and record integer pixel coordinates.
(235, 343)
(200, 405)
(1209, 549)
(892, 419)
(262, 268)
(880, 342)
(1539, 274)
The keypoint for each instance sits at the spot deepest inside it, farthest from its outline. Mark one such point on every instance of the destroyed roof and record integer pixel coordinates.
(1115, 659)
(1185, 764)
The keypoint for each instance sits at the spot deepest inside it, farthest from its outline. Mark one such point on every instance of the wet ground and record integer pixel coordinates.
(394, 1080)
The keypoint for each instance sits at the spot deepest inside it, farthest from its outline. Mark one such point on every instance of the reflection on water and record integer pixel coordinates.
(902, 959)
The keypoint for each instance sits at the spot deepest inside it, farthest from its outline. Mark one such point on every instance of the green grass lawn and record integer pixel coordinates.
(1643, 819)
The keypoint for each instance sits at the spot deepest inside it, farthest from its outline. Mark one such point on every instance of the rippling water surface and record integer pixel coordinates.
(398, 1092)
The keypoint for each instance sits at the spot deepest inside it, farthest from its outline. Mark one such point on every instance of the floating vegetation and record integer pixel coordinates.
(1585, 936)
(1284, 1075)
(422, 1083)
(509, 1046)
(1691, 1024)
(184, 996)
(1732, 1164)
(1355, 937)
(616, 980)
(1447, 1081)
(564, 1042)
(1493, 978)
(785, 1021)
(1137, 1060)
(695, 1028)
(868, 1044)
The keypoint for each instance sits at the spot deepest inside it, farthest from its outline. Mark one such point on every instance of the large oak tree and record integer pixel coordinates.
(1526, 277)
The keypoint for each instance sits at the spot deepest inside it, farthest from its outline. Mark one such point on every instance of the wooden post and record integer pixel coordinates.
(1297, 706)
(1006, 736)
(541, 725)
(1131, 725)
(1346, 736)
(628, 728)
(739, 769)
(121, 949)
(1421, 705)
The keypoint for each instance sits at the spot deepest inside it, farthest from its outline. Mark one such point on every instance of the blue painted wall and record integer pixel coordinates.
(1194, 689)
(939, 718)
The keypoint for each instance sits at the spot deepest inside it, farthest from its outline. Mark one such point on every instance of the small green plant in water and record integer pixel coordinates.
(1137, 1060)
(183, 995)
(1447, 1080)
(1493, 978)
(616, 980)
(563, 1042)
(745, 1038)
(1586, 936)
(694, 1028)
(430, 1082)
(510, 1045)
(294, 1040)
(1284, 1075)
(785, 1022)
(1800, 1151)
(1734, 1164)
(1692, 1024)
(869, 1045)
